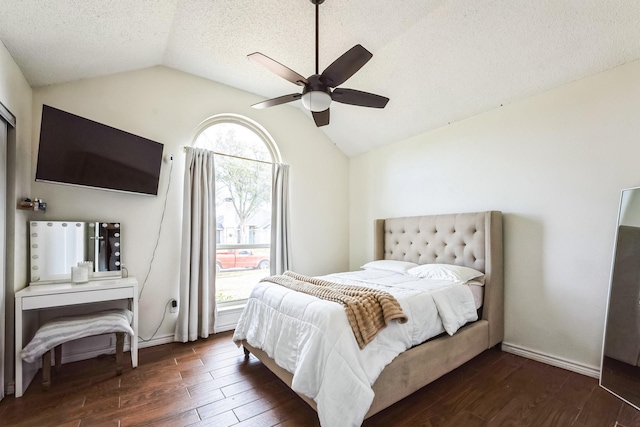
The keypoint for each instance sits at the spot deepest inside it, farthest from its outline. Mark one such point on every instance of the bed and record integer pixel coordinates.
(471, 240)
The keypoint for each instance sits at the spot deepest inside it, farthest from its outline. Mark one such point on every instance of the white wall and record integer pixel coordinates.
(554, 164)
(15, 94)
(167, 106)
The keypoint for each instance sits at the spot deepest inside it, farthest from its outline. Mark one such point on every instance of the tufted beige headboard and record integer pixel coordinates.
(469, 239)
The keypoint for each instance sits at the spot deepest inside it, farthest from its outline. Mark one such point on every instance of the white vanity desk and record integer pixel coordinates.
(66, 294)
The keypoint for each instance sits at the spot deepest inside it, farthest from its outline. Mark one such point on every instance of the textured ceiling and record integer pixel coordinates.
(438, 61)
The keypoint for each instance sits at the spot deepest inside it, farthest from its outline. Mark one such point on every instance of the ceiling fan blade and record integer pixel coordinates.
(321, 118)
(277, 68)
(277, 101)
(346, 66)
(356, 97)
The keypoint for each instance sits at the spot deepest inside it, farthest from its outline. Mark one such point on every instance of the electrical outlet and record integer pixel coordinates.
(173, 306)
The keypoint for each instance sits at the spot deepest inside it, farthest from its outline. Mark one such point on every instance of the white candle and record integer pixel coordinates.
(88, 265)
(79, 275)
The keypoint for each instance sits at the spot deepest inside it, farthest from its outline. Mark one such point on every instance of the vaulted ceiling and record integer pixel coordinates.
(438, 61)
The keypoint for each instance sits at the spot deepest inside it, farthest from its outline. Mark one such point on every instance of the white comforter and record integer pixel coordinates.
(312, 339)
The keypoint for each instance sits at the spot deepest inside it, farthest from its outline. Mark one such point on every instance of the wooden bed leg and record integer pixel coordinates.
(119, 351)
(58, 357)
(246, 352)
(46, 370)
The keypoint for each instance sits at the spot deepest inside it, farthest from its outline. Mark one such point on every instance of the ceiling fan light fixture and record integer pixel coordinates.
(316, 100)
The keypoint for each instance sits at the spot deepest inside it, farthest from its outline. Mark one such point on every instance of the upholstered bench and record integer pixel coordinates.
(54, 333)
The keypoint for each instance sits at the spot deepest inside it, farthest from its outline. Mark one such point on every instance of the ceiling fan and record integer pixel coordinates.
(320, 89)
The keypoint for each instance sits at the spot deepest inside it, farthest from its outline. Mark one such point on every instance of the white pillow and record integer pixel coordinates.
(390, 265)
(452, 273)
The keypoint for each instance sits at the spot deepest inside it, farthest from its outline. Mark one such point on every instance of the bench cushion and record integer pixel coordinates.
(64, 329)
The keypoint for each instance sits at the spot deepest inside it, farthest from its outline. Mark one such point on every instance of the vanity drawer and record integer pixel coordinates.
(72, 298)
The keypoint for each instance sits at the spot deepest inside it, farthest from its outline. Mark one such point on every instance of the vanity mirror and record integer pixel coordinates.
(620, 372)
(56, 246)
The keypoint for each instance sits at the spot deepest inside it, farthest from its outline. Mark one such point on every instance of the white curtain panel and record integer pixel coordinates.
(197, 264)
(280, 242)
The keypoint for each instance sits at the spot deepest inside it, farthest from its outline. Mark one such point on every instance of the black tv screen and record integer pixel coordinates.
(78, 151)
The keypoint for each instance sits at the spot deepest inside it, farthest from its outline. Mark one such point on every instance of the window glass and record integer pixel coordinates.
(235, 140)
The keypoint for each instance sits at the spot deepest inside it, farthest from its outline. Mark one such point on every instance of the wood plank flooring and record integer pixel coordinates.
(210, 383)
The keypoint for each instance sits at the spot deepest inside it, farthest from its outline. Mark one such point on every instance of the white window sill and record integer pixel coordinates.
(230, 307)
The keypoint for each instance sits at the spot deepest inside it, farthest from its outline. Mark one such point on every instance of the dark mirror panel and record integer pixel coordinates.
(56, 246)
(620, 372)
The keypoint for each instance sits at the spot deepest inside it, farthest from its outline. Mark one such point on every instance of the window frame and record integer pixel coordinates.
(247, 123)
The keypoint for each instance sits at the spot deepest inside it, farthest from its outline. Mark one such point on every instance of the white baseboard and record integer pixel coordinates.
(156, 341)
(84, 353)
(559, 362)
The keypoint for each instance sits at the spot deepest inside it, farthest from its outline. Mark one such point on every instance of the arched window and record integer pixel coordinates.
(244, 154)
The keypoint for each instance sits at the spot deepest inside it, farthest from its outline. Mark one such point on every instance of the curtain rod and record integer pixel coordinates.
(184, 150)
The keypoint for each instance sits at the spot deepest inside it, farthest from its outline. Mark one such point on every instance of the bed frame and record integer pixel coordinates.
(469, 239)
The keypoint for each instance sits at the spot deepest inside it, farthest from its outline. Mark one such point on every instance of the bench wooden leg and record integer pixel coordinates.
(58, 358)
(119, 351)
(46, 370)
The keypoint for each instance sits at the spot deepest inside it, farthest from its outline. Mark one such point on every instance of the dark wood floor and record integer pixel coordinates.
(210, 383)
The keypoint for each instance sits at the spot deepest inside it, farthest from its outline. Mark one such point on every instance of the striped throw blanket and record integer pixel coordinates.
(63, 329)
(368, 310)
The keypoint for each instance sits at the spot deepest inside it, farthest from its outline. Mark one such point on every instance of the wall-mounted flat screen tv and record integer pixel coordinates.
(78, 151)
